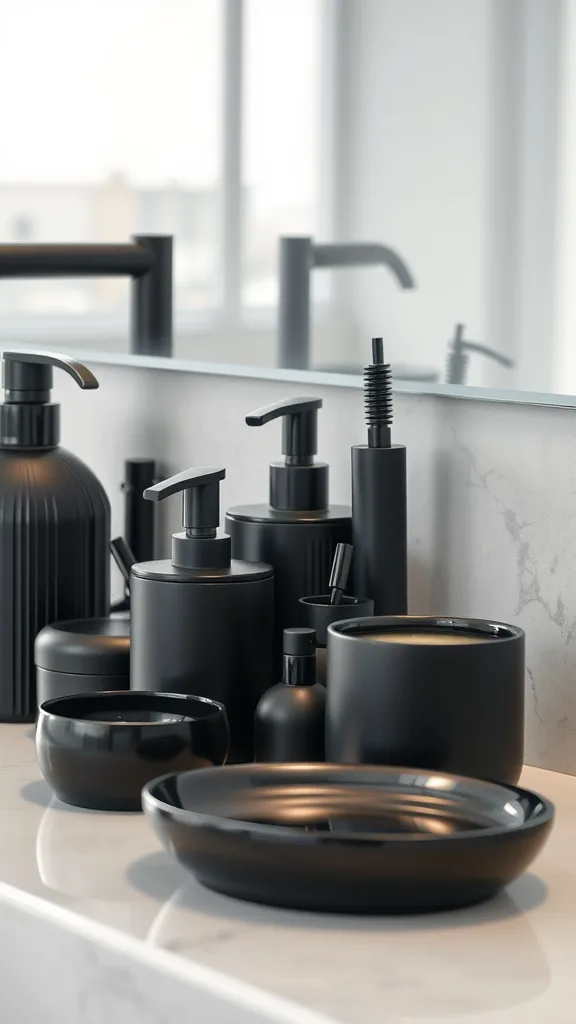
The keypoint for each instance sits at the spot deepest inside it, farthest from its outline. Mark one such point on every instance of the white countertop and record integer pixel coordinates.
(508, 961)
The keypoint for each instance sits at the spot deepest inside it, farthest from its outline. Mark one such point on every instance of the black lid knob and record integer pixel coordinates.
(299, 641)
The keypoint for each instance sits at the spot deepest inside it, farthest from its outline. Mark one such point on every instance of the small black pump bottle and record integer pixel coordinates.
(289, 720)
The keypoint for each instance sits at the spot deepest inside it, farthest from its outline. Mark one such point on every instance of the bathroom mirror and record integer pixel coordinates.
(417, 157)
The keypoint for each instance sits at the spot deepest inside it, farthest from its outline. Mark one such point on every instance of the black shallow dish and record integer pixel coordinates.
(98, 750)
(352, 839)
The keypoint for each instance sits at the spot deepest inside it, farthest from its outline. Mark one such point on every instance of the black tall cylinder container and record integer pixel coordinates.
(202, 622)
(54, 525)
(379, 498)
(379, 532)
(436, 693)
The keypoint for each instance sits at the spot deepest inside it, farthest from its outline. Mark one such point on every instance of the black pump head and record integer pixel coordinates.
(199, 547)
(299, 483)
(27, 418)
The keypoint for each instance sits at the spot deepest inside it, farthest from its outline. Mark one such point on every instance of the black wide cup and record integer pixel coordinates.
(98, 750)
(442, 694)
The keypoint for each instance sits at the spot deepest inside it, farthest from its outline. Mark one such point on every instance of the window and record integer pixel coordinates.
(196, 118)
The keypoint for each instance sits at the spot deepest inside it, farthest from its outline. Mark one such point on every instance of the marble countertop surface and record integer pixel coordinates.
(508, 961)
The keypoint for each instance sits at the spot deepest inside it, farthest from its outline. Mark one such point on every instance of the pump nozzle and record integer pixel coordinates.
(297, 484)
(27, 417)
(199, 546)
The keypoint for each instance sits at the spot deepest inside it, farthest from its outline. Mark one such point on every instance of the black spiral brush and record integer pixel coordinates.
(379, 498)
(378, 397)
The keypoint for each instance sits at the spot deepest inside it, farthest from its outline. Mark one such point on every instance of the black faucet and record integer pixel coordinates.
(147, 260)
(458, 356)
(298, 256)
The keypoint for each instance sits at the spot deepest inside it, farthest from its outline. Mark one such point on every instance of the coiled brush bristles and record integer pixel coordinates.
(378, 398)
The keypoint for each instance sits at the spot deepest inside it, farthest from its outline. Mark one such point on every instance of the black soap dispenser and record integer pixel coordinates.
(202, 621)
(289, 720)
(54, 525)
(298, 531)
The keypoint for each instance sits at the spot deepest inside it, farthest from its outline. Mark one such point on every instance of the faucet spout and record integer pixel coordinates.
(298, 257)
(363, 254)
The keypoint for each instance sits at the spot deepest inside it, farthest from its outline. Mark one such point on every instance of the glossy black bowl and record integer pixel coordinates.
(352, 839)
(99, 749)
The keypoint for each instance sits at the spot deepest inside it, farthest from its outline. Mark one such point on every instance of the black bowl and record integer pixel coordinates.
(99, 749)
(348, 838)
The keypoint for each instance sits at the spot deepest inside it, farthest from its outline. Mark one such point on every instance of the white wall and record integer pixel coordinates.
(418, 167)
(492, 499)
(452, 156)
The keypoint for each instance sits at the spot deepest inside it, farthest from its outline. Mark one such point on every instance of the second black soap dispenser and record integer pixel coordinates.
(297, 532)
(202, 621)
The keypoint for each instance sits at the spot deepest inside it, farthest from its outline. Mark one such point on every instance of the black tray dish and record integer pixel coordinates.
(355, 839)
(97, 750)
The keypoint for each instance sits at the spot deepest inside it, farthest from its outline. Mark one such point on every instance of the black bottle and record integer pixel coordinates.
(298, 531)
(289, 720)
(379, 498)
(54, 525)
(202, 621)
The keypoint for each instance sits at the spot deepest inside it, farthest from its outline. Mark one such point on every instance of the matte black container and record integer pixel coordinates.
(82, 656)
(54, 525)
(297, 532)
(318, 613)
(452, 706)
(201, 621)
(379, 531)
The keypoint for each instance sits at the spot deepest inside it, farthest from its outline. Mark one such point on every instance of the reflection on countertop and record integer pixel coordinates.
(509, 960)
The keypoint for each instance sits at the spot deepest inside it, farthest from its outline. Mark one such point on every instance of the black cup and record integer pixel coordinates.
(445, 694)
(317, 613)
(98, 750)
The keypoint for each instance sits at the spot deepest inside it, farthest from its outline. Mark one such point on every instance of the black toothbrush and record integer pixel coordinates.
(340, 571)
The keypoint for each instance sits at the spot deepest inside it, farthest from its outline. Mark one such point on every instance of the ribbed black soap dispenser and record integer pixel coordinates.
(54, 525)
(379, 498)
(289, 720)
(298, 531)
(202, 621)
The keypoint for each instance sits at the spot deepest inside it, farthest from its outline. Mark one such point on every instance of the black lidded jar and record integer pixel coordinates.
(297, 532)
(82, 656)
(54, 525)
(289, 719)
(202, 621)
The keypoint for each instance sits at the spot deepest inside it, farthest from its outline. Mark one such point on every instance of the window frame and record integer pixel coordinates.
(226, 313)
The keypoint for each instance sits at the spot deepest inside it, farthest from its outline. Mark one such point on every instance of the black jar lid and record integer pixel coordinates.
(318, 613)
(92, 647)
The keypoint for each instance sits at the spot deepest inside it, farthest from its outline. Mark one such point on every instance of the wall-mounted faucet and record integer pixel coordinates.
(297, 258)
(458, 356)
(147, 260)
